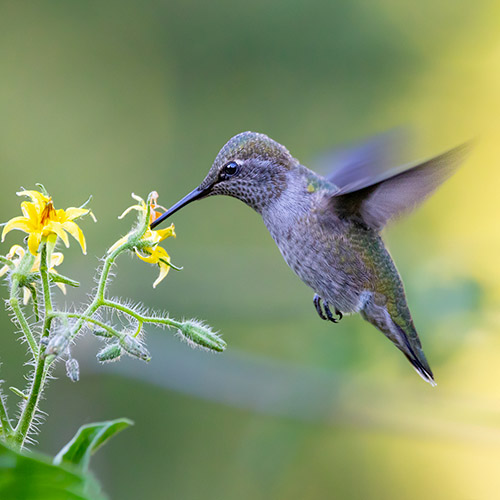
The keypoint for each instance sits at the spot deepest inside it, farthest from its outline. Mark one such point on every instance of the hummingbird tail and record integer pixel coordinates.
(417, 358)
(407, 342)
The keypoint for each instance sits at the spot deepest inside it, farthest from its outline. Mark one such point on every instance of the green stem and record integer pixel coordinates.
(88, 319)
(7, 262)
(108, 262)
(14, 300)
(99, 297)
(138, 317)
(21, 319)
(26, 419)
(39, 378)
(47, 299)
(4, 417)
(34, 298)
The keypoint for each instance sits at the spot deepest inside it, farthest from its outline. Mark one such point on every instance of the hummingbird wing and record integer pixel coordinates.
(357, 165)
(375, 198)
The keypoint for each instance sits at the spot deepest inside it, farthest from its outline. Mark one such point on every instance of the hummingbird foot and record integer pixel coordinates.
(327, 314)
(339, 314)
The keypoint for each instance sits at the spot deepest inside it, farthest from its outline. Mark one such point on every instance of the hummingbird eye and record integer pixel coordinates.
(230, 169)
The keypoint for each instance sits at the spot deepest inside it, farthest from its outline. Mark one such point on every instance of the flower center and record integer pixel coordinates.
(48, 213)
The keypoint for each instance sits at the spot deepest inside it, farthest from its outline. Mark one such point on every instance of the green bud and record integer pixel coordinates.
(135, 348)
(73, 369)
(18, 392)
(197, 333)
(102, 333)
(57, 344)
(111, 352)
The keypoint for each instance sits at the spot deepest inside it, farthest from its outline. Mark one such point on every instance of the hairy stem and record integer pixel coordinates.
(39, 378)
(47, 299)
(4, 417)
(14, 300)
(139, 317)
(21, 319)
(87, 319)
(99, 297)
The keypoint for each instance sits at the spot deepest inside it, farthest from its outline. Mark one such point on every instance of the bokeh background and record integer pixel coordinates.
(113, 97)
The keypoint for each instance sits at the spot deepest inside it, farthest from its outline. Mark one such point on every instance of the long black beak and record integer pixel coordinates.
(196, 194)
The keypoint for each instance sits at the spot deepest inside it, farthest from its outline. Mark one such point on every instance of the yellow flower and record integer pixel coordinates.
(156, 255)
(16, 253)
(43, 222)
(149, 250)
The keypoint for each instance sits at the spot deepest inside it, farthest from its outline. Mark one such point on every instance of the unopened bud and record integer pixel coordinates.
(18, 392)
(197, 333)
(135, 348)
(57, 344)
(109, 353)
(102, 333)
(73, 369)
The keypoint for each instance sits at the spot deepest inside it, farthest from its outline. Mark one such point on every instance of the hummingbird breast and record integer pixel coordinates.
(325, 251)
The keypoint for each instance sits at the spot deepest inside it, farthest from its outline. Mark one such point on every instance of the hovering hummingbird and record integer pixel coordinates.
(328, 228)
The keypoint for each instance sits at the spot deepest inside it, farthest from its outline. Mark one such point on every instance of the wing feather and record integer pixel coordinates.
(377, 199)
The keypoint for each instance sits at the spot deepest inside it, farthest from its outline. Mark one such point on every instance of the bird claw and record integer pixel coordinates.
(324, 311)
(339, 315)
(317, 304)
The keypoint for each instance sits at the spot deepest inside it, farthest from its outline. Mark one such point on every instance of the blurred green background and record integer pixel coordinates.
(113, 97)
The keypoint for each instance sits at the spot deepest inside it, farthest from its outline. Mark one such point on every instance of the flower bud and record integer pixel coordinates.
(57, 344)
(197, 333)
(135, 348)
(73, 369)
(18, 392)
(100, 332)
(111, 352)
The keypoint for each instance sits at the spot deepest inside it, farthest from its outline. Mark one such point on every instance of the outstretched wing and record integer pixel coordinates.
(359, 165)
(376, 198)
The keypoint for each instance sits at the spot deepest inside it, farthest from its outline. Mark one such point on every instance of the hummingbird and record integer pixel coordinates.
(328, 227)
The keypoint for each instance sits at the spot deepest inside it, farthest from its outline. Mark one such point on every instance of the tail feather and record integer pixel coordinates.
(419, 361)
(407, 342)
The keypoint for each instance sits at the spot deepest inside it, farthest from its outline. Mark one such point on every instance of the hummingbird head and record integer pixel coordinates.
(251, 167)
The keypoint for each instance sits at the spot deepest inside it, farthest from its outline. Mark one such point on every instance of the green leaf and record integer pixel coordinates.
(32, 476)
(87, 440)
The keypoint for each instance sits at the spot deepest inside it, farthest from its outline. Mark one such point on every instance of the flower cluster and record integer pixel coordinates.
(15, 256)
(50, 332)
(43, 222)
(145, 241)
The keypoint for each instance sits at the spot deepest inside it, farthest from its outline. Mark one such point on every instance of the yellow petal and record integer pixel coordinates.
(164, 269)
(57, 228)
(34, 242)
(51, 244)
(154, 255)
(16, 251)
(36, 265)
(73, 213)
(129, 209)
(119, 243)
(36, 196)
(57, 259)
(151, 237)
(140, 200)
(150, 258)
(76, 232)
(26, 295)
(62, 287)
(4, 270)
(166, 233)
(30, 211)
(21, 223)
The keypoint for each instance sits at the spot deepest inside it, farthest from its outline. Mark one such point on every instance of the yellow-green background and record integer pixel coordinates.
(113, 97)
